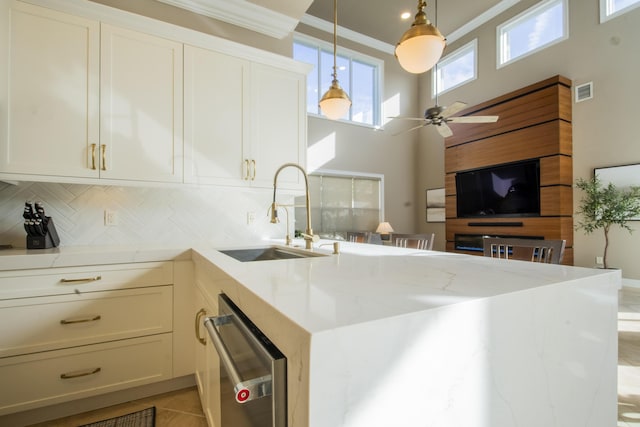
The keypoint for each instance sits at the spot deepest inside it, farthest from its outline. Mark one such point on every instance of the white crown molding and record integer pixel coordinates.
(480, 20)
(241, 13)
(348, 34)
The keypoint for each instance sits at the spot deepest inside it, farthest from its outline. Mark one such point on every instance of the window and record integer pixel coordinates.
(456, 69)
(341, 202)
(611, 8)
(533, 30)
(359, 75)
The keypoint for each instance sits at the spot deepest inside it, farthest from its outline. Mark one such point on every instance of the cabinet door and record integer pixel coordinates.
(52, 94)
(207, 368)
(278, 125)
(215, 123)
(140, 106)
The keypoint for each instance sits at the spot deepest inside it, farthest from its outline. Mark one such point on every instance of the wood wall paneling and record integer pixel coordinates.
(556, 170)
(529, 143)
(534, 123)
(556, 201)
(547, 227)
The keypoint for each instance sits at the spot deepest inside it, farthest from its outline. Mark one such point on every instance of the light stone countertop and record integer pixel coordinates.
(381, 330)
(363, 283)
(371, 282)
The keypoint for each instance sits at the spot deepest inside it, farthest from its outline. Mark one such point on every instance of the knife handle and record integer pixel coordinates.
(103, 151)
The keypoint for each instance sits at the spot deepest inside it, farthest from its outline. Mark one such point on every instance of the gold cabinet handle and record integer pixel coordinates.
(93, 156)
(201, 312)
(103, 152)
(80, 320)
(253, 174)
(78, 374)
(84, 279)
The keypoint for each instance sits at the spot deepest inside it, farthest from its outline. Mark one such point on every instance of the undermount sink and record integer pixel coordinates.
(268, 253)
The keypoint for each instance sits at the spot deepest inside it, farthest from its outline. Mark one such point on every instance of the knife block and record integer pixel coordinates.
(49, 240)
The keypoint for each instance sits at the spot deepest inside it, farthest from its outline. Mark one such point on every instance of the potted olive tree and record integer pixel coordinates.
(605, 205)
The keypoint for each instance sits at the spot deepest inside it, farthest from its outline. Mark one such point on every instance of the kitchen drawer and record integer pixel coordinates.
(70, 280)
(29, 325)
(37, 380)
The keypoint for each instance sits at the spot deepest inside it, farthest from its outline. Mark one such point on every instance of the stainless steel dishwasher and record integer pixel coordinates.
(253, 372)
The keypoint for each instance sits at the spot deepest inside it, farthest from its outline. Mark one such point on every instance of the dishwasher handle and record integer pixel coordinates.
(244, 391)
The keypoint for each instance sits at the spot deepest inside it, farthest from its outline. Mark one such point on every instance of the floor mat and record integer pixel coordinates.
(144, 418)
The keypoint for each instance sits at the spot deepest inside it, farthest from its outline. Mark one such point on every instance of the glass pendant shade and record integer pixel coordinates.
(335, 103)
(421, 46)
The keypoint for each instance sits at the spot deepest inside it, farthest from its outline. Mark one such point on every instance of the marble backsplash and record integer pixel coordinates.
(184, 215)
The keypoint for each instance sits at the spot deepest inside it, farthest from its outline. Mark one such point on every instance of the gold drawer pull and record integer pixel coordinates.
(86, 279)
(201, 312)
(93, 156)
(81, 320)
(78, 374)
(253, 174)
(103, 149)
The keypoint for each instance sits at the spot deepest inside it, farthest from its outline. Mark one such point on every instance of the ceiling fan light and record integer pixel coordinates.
(420, 48)
(335, 103)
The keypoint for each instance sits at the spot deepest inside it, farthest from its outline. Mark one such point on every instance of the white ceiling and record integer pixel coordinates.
(380, 19)
(376, 19)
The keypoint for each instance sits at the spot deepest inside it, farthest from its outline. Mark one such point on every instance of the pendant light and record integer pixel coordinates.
(421, 46)
(335, 103)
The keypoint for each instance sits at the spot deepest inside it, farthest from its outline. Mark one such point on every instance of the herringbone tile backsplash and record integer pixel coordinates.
(181, 216)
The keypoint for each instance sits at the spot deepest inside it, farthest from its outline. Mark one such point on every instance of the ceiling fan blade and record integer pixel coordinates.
(409, 130)
(473, 119)
(444, 130)
(406, 118)
(453, 108)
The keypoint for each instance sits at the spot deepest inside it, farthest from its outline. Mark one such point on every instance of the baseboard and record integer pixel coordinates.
(79, 406)
(630, 283)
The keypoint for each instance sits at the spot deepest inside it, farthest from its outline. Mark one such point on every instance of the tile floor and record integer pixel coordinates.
(179, 408)
(629, 358)
(182, 408)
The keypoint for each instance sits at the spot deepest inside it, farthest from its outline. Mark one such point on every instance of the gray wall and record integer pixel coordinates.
(604, 128)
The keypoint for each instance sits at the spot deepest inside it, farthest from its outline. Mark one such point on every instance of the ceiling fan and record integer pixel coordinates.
(440, 116)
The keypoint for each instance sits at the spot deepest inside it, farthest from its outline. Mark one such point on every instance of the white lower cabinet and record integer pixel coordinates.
(68, 333)
(207, 369)
(46, 378)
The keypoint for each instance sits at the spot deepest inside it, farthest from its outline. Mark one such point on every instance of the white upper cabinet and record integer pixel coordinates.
(51, 104)
(216, 118)
(111, 97)
(243, 120)
(278, 125)
(140, 107)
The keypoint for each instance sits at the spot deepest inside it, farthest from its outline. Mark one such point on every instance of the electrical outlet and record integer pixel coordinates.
(251, 218)
(110, 217)
(599, 260)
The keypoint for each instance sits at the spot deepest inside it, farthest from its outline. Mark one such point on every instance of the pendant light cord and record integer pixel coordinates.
(335, 39)
(435, 69)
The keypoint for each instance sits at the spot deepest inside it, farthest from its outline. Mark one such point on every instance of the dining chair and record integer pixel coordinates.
(415, 241)
(535, 250)
(358, 236)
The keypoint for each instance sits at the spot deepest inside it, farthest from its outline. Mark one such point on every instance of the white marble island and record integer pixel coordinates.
(380, 336)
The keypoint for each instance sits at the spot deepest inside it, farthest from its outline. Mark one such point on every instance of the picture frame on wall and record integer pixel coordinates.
(623, 176)
(435, 205)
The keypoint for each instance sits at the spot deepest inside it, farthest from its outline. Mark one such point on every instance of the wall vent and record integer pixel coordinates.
(584, 92)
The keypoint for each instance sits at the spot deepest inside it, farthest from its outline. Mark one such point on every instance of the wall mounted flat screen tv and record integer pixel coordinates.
(499, 191)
